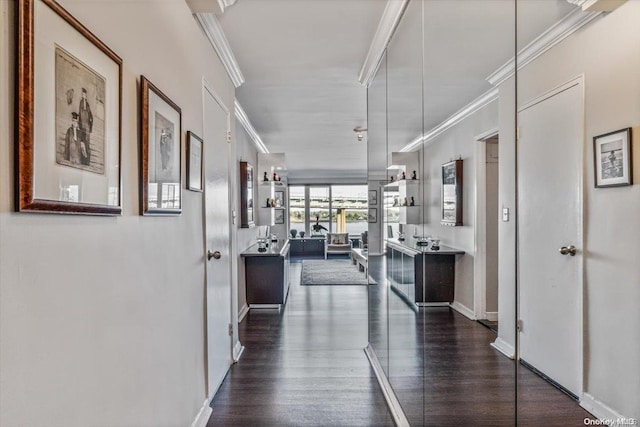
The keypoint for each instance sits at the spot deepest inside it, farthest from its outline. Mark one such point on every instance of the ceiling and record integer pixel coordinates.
(301, 60)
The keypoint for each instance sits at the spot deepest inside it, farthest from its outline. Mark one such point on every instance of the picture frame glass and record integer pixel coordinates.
(76, 116)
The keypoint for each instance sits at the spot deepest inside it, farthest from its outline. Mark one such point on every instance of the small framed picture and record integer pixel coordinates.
(612, 159)
(194, 165)
(373, 215)
(373, 197)
(279, 199)
(279, 216)
(160, 162)
(69, 115)
(451, 201)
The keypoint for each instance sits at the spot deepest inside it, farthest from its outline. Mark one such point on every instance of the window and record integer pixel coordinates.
(335, 208)
(349, 209)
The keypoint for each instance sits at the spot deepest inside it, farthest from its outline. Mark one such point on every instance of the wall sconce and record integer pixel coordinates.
(360, 131)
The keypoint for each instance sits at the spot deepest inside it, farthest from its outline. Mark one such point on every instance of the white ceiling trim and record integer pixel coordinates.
(386, 27)
(212, 29)
(248, 127)
(601, 5)
(545, 41)
(224, 4)
(475, 105)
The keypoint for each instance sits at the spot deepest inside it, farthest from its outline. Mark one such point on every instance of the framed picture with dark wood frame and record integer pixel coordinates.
(451, 201)
(279, 216)
(161, 153)
(373, 198)
(195, 145)
(246, 196)
(612, 159)
(68, 115)
(372, 215)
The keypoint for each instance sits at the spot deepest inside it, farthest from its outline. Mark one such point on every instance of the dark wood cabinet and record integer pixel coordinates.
(422, 275)
(307, 247)
(247, 219)
(267, 275)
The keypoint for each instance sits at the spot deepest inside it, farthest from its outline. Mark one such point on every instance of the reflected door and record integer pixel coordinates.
(550, 218)
(217, 229)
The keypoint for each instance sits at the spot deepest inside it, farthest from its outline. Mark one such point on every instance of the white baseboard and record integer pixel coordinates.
(465, 311)
(491, 316)
(203, 415)
(598, 409)
(238, 349)
(504, 347)
(243, 313)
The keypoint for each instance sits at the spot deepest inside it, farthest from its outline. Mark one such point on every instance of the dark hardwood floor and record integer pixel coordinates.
(305, 366)
(445, 373)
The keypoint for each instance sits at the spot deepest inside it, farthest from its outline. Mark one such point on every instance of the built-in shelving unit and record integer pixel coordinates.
(405, 170)
(272, 192)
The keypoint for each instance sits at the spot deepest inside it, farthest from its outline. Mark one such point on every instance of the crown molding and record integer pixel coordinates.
(248, 127)
(598, 5)
(213, 30)
(389, 21)
(475, 105)
(225, 4)
(545, 41)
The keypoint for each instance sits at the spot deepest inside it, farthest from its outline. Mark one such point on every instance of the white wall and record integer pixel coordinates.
(246, 152)
(101, 319)
(607, 53)
(459, 141)
(492, 221)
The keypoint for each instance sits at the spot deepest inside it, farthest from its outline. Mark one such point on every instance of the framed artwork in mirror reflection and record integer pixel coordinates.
(451, 197)
(246, 196)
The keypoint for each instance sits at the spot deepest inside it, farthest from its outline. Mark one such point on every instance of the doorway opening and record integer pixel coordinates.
(487, 220)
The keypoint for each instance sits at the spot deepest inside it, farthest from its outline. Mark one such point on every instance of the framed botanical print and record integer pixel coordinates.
(612, 159)
(68, 115)
(451, 201)
(160, 160)
(195, 147)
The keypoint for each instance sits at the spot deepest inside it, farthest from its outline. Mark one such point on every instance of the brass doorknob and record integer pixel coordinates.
(215, 255)
(568, 250)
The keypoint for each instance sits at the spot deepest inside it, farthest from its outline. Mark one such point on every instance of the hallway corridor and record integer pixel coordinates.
(304, 366)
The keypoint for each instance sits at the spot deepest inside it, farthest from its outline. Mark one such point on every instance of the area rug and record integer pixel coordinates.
(331, 272)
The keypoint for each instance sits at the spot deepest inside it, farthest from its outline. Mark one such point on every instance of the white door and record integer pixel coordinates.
(217, 230)
(550, 217)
